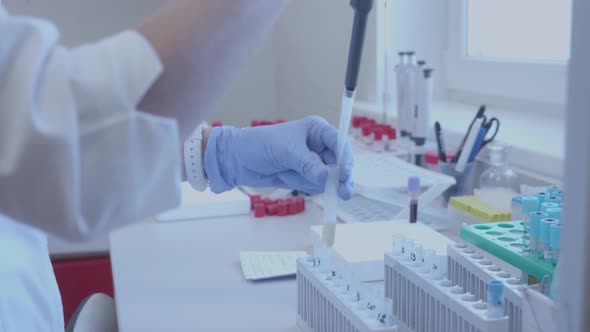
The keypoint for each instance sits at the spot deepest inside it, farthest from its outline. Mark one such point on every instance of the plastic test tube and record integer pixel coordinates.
(495, 307)
(555, 239)
(545, 205)
(438, 269)
(554, 213)
(553, 189)
(542, 196)
(545, 238)
(417, 255)
(529, 204)
(534, 231)
(554, 199)
(330, 206)
(413, 192)
(397, 245)
(407, 249)
(428, 259)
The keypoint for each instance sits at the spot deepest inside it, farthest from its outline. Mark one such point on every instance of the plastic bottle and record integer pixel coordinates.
(499, 183)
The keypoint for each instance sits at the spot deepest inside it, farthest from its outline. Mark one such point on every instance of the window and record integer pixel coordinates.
(509, 52)
(526, 30)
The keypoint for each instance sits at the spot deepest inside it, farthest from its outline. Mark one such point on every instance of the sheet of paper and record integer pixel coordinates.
(268, 265)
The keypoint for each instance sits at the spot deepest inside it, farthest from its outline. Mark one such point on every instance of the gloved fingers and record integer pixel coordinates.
(320, 134)
(329, 158)
(346, 190)
(307, 164)
(293, 180)
(255, 179)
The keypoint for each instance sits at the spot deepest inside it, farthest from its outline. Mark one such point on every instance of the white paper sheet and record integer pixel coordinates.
(269, 265)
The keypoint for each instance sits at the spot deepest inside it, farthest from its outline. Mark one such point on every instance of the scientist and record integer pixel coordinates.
(99, 136)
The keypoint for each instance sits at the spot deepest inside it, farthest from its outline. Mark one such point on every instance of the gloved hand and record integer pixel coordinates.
(290, 155)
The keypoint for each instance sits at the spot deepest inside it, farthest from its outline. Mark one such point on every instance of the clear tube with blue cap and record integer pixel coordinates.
(529, 204)
(542, 196)
(554, 199)
(495, 305)
(535, 244)
(555, 240)
(413, 192)
(553, 189)
(547, 205)
(546, 239)
(554, 213)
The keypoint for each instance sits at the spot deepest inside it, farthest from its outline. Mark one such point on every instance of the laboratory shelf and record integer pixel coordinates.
(504, 240)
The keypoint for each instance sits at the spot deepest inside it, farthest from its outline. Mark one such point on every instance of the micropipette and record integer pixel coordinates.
(362, 8)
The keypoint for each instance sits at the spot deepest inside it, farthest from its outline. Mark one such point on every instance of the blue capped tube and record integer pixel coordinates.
(555, 240)
(534, 231)
(546, 239)
(529, 204)
(495, 305)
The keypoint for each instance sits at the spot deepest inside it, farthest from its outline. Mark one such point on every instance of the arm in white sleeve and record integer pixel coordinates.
(76, 158)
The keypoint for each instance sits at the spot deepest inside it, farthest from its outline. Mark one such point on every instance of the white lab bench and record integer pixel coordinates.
(186, 276)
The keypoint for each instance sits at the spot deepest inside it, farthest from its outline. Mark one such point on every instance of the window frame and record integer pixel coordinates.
(540, 84)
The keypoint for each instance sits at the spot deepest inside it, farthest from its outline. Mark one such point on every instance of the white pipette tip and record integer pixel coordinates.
(330, 206)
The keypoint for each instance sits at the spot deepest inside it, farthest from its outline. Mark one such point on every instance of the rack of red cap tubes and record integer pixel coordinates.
(380, 136)
(257, 123)
(279, 207)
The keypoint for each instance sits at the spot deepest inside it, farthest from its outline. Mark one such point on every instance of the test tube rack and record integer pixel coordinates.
(422, 303)
(324, 305)
(469, 269)
(505, 241)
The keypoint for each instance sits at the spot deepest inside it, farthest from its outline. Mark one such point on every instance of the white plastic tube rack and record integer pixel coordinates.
(424, 301)
(469, 269)
(325, 305)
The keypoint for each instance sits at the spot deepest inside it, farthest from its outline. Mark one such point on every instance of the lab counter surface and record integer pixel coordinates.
(186, 276)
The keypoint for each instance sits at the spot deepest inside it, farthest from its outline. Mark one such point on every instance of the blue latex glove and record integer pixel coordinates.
(290, 155)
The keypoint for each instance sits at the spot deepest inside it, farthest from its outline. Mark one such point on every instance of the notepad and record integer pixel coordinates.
(269, 265)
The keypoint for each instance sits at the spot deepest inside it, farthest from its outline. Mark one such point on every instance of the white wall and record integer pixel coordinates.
(252, 96)
(422, 26)
(311, 42)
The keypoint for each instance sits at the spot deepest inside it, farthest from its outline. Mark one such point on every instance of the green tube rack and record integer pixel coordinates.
(504, 240)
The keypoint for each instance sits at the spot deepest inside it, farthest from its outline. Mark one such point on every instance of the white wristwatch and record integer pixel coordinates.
(193, 159)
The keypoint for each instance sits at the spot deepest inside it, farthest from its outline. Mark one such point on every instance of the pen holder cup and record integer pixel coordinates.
(464, 181)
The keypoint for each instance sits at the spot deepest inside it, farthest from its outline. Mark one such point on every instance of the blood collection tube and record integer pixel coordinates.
(545, 238)
(495, 305)
(555, 239)
(378, 144)
(529, 204)
(413, 192)
(367, 133)
(253, 200)
(554, 199)
(259, 210)
(553, 189)
(546, 205)
(555, 213)
(542, 196)
(291, 206)
(534, 231)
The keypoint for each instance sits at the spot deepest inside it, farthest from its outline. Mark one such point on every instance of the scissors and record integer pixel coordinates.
(488, 124)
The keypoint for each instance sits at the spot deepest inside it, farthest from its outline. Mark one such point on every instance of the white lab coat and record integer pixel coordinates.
(76, 158)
